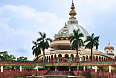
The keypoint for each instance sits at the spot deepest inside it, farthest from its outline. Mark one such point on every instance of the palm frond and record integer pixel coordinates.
(92, 35)
(39, 39)
(34, 42)
(49, 39)
(97, 38)
(80, 35)
(81, 42)
(88, 38)
(71, 38)
(75, 32)
(44, 36)
(40, 34)
(33, 47)
(46, 45)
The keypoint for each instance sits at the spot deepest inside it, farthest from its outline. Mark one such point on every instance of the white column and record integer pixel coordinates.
(85, 58)
(80, 58)
(84, 68)
(1, 68)
(110, 68)
(55, 68)
(95, 68)
(37, 66)
(20, 68)
(69, 68)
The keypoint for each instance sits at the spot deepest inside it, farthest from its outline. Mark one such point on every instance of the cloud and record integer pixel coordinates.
(19, 26)
(22, 49)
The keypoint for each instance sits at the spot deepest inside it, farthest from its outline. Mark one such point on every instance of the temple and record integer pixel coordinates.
(60, 55)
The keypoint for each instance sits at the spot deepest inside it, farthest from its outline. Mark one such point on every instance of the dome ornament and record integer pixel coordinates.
(72, 13)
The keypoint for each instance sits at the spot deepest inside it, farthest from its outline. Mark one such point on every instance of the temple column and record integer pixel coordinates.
(1, 68)
(69, 68)
(95, 68)
(63, 58)
(84, 68)
(74, 59)
(37, 66)
(69, 57)
(45, 59)
(81, 59)
(20, 68)
(85, 58)
(53, 58)
(110, 68)
(57, 58)
(88, 58)
(49, 59)
(55, 68)
(42, 59)
(78, 58)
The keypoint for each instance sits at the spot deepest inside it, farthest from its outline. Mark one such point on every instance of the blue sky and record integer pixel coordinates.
(20, 20)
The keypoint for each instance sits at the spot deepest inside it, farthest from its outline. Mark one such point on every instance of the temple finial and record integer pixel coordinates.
(65, 25)
(109, 43)
(72, 13)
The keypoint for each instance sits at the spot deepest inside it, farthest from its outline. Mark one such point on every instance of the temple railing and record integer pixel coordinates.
(81, 63)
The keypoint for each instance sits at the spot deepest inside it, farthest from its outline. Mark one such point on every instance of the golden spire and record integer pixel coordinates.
(72, 13)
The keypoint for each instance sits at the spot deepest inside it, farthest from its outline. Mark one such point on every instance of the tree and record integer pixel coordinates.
(4, 56)
(22, 58)
(36, 51)
(91, 42)
(76, 42)
(43, 44)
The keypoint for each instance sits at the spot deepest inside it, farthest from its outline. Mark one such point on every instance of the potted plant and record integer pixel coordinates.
(33, 73)
(74, 69)
(48, 69)
(80, 73)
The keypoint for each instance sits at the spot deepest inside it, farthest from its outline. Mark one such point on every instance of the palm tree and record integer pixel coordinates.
(76, 42)
(43, 44)
(36, 51)
(92, 41)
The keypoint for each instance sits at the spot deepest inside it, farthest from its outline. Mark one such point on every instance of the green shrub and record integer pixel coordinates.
(80, 73)
(74, 68)
(48, 69)
(41, 68)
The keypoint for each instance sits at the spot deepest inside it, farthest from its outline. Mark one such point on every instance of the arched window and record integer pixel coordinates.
(60, 58)
(66, 58)
(111, 52)
(107, 52)
(71, 60)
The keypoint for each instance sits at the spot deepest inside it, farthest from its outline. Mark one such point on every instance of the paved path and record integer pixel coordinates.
(49, 76)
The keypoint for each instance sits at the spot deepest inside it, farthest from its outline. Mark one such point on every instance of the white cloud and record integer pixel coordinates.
(19, 26)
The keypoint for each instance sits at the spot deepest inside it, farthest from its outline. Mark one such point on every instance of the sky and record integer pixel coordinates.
(21, 20)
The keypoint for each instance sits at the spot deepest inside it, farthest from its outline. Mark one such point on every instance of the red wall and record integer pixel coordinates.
(23, 73)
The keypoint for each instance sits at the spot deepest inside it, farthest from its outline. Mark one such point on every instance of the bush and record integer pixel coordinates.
(74, 68)
(41, 68)
(80, 73)
(48, 69)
